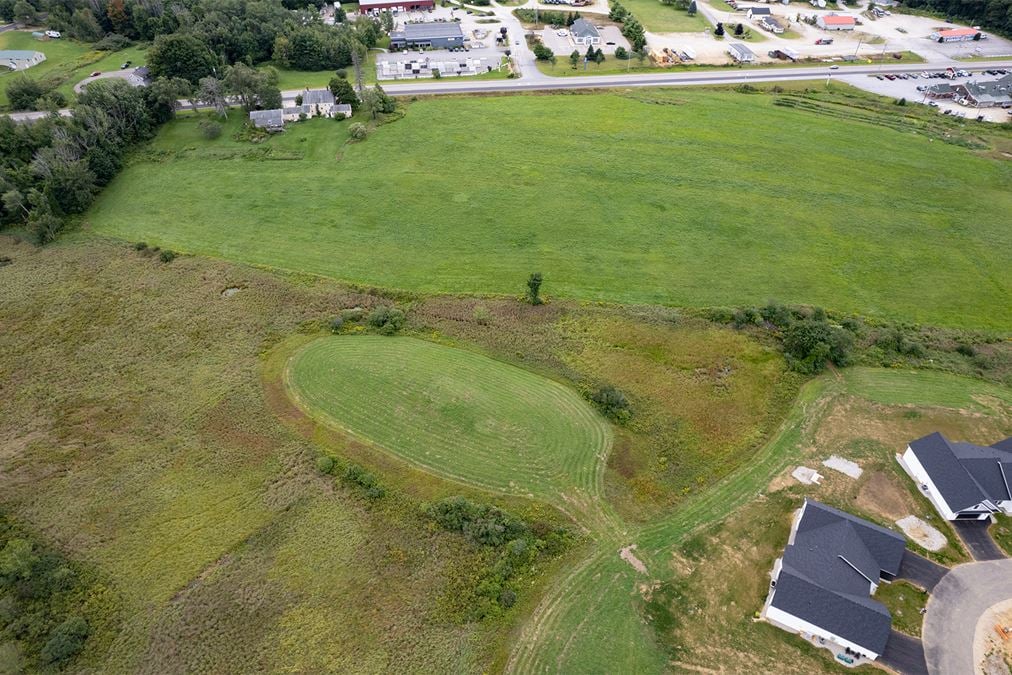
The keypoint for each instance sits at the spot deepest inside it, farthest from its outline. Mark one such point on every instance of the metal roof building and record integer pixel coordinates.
(436, 34)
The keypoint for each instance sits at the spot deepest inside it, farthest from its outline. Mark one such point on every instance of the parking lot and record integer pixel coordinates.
(907, 87)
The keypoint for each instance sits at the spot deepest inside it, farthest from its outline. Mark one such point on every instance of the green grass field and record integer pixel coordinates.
(67, 61)
(461, 415)
(647, 197)
(659, 18)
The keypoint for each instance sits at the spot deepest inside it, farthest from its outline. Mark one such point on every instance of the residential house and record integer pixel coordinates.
(20, 59)
(962, 480)
(585, 33)
(740, 53)
(955, 35)
(820, 588)
(754, 13)
(435, 34)
(771, 24)
(271, 120)
(836, 22)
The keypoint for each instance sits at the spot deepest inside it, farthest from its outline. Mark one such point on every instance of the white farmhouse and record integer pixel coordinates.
(820, 588)
(963, 481)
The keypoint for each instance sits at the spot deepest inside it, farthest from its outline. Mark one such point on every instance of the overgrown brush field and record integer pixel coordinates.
(640, 197)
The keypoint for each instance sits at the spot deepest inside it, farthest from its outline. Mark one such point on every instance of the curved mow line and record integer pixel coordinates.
(575, 416)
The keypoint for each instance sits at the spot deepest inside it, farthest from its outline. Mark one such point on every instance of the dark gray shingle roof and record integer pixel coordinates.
(965, 474)
(828, 571)
(760, 11)
(266, 118)
(584, 29)
(314, 96)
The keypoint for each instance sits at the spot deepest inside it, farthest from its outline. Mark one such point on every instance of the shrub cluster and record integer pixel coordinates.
(808, 339)
(386, 320)
(612, 403)
(359, 477)
(508, 544)
(41, 596)
(631, 28)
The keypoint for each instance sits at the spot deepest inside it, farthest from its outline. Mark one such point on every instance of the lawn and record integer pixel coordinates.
(602, 210)
(456, 413)
(660, 18)
(67, 61)
(905, 603)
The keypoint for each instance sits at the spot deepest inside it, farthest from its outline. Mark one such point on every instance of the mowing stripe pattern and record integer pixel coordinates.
(456, 413)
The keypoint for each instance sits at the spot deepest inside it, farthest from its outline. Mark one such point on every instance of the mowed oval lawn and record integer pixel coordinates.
(456, 413)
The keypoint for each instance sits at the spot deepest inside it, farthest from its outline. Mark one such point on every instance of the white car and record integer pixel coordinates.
(52, 33)
(561, 33)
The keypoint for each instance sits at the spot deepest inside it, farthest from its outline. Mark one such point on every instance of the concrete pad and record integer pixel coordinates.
(924, 534)
(844, 466)
(806, 476)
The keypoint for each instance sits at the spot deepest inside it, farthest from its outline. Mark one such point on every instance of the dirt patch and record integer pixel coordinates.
(992, 642)
(630, 557)
(880, 494)
(230, 291)
(922, 533)
(781, 481)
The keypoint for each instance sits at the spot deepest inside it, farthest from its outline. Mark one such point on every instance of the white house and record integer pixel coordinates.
(963, 481)
(585, 33)
(820, 587)
(836, 22)
(20, 59)
(740, 53)
(771, 24)
(754, 13)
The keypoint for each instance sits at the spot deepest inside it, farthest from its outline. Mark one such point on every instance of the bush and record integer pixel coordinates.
(359, 477)
(113, 42)
(140, 246)
(507, 598)
(66, 640)
(358, 131)
(324, 464)
(336, 324)
(809, 345)
(612, 403)
(342, 73)
(24, 93)
(777, 314)
(482, 315)
(746, 316)
(353, 314)
(966, 350)
(387, 320)
(210, 129)
(621, 53)
(167, 256)
(483, 524)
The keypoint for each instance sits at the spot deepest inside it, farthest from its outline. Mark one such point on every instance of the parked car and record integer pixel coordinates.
(124, 65)
(562, 33)
(96, 73)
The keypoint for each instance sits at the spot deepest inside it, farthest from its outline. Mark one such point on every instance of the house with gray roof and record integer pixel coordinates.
(20, 59)
(272, 120)
(434, 34)
(585, 33)
(740, 53)
(962, 480)
(821, 587)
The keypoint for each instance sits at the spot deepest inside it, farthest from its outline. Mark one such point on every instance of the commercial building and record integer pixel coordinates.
(399, 5)
(585, 33)
(955, 35)
(836, 22)
(820, 588)
(436, 34)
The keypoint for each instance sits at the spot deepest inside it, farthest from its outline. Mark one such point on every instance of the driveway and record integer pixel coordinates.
(920, 571)
(980, 544)
(904, 654)
(954, 609)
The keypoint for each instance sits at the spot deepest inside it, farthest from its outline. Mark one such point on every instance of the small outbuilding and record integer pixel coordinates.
(585, 33)
(20, 59)
(740, 53)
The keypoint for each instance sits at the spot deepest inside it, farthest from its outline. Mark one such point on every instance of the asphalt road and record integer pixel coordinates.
(955, 607)
(904, 654)
(920, 571)
(980, 544)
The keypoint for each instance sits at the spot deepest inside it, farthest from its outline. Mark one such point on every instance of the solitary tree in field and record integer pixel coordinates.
(574, 59)
(534, 288)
